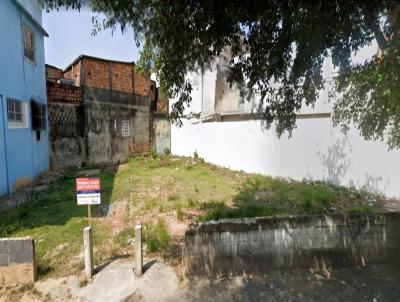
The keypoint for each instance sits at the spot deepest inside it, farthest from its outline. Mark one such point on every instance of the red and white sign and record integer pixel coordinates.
(88, 191)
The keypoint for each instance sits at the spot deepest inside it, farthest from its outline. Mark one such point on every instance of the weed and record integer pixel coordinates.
(154, 154)
(157, 237)
(219, 211)
(151, 204)
(173, 197)
(179, 214)
(266, 196)
(361, 209)
(122, 238)
(192, 203)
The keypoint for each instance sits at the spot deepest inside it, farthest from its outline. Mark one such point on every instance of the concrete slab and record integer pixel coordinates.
(116, 282)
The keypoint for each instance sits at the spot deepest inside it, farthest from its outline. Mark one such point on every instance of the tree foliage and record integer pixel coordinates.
(275, 42)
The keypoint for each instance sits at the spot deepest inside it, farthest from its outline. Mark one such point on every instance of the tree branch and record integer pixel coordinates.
(373, 23)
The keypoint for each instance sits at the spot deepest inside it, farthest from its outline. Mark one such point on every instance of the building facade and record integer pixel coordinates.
(101, 112)
(23, 123)
(226, 130)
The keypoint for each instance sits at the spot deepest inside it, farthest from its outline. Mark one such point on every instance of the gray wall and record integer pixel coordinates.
(67, 143)
(105, 141)
(17, 260)
(260, 245)
(161, 135)
(89, 131)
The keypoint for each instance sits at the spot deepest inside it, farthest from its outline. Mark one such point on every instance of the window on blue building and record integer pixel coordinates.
(16, 113)
(29, 44)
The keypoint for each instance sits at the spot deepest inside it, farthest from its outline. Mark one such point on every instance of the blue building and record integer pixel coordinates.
(24, 150)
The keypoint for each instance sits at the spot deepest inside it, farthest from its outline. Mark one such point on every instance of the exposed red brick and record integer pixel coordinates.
(142, 84)
(53, 74)
(62, 92)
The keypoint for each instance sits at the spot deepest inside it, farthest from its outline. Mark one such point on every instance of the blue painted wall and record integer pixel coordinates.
(23, 157)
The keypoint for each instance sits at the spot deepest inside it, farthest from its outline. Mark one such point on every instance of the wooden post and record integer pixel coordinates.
(89, 215)
(88, 252)
(138, 251)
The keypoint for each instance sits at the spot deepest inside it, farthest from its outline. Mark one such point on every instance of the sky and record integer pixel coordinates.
(70, 36)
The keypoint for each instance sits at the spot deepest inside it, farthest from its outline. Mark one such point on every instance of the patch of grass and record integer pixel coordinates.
(361, 209)
(192, 203)
(151, 204)
(219, 210)
(122, 238)
(179, 214)
(267, 196)
(56, 222)
(173, 197)
(157, 237)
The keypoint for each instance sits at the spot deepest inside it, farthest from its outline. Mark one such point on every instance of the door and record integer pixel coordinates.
(3, 163)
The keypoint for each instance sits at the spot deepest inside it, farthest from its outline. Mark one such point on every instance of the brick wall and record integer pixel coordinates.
(96, 73)
(74, 73)
(142, 84)
(122, 77)
(53, 74)
(57, 92)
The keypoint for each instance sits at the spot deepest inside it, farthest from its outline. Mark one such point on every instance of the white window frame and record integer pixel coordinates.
(27, 29)
(14, 124)
(125, 128)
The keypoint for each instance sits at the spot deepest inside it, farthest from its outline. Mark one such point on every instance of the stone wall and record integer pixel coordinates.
(259, 245)
(17, 261)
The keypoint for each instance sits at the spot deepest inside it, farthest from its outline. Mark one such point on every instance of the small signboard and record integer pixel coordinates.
(88, 191)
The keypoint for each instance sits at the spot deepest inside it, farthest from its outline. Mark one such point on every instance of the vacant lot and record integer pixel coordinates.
(166, 195)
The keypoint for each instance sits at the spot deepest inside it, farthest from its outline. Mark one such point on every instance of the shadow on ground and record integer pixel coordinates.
(375, 284)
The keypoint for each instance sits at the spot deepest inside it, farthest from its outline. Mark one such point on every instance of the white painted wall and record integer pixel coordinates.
(316, 149)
